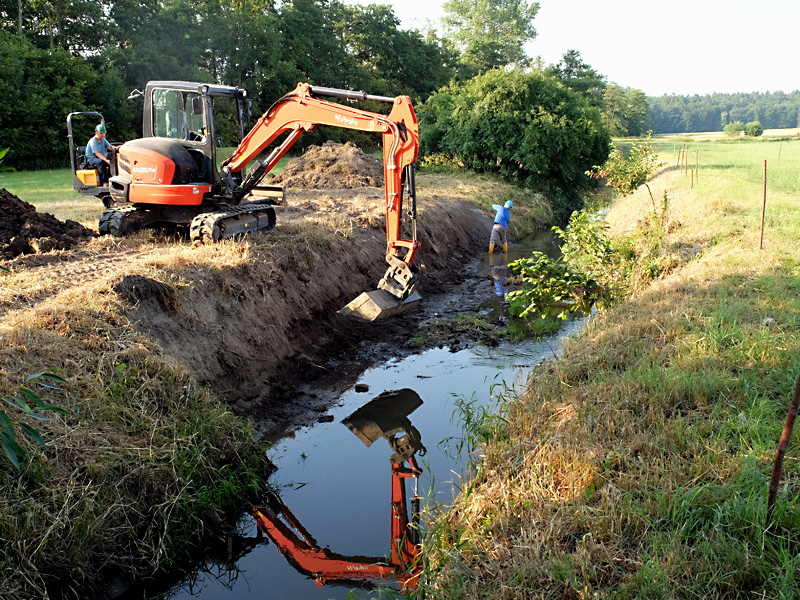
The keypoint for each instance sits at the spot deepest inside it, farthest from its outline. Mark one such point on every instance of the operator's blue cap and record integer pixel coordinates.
(509, 204)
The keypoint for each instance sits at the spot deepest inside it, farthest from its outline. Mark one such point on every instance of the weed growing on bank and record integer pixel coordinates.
(637, 464)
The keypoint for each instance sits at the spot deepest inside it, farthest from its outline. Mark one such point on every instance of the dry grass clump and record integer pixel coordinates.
(141, 468)
(637, 464)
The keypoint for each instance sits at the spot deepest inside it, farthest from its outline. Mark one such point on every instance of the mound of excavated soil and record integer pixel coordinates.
(333, 166)
(26, 231)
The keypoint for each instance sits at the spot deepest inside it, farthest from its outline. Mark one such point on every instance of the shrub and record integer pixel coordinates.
(753, 129)
(525, 126)
(733, 129)
(626, 173)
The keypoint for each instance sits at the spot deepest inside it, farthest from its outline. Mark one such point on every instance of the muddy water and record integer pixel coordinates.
(337, 482)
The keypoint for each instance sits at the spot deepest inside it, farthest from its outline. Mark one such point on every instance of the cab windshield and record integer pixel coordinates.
(178, 114)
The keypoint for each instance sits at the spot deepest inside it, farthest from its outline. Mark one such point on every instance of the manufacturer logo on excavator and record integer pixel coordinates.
(346, 120)
(144, 169)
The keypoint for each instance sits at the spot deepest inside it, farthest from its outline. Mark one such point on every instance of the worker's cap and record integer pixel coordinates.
(509, 204)
(101, 128)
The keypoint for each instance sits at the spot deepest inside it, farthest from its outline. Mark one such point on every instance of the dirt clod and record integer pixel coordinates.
(24, 230)
(332, 165)
(136, 288)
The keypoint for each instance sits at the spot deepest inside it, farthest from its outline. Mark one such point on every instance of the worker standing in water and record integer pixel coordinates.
(500, 227)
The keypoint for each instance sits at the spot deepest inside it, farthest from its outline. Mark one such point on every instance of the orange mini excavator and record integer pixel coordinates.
(171, 174)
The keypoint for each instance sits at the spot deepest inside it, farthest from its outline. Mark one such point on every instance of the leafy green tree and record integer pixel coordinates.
(627, 173)
(490, 33)
(636, 111)
(392, 61)
(39, 88)
(625, 110)
(753, 129)
(733, 129)
(312, 48)
(614, 110)
(521, 124)
(577, 75)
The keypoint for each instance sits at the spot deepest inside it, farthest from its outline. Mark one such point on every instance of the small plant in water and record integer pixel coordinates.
(479, 424)
(586, 274)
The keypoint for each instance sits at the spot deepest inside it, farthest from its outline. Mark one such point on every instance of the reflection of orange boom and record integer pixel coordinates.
(385, 416)
(324, 566)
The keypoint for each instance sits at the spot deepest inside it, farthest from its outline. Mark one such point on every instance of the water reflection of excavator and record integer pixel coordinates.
(384, 417)
(170, 176)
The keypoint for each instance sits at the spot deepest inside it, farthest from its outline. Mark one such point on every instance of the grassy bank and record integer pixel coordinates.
(147, 464)
(637, 465)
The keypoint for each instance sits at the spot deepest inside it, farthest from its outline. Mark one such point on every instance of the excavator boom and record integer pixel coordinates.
(301, 111)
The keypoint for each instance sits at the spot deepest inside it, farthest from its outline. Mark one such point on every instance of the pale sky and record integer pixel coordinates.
(668, 47)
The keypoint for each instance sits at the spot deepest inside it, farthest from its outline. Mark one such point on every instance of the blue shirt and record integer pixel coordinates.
(503, 215)
(96, 145)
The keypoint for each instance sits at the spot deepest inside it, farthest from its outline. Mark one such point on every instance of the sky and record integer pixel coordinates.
(675, 47)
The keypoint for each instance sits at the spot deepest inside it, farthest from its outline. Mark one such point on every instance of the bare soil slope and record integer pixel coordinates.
(252, 318)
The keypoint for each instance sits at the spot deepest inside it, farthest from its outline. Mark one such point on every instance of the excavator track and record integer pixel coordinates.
(119, 221)
(234, 222)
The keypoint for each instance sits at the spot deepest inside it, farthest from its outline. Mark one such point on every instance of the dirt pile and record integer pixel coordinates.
(333, 166)
(23, 230)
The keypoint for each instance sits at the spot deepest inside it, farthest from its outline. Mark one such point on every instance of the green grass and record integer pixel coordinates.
(637, 465)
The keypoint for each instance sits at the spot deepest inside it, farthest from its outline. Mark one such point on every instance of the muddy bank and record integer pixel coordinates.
(253, 330)
(252, 320)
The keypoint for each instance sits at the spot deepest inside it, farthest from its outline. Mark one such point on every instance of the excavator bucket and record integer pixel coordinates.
(383, 415)
(395, 294)
(378, 304)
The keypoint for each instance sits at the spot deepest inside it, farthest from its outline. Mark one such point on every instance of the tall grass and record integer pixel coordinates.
(637, 465)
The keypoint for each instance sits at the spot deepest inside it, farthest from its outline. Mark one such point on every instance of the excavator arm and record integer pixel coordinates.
(301, 111)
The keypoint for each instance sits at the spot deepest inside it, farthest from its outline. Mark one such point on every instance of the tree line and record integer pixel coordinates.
(687, 114)
(479, 97)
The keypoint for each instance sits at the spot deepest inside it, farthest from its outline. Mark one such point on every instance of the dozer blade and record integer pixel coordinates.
(379, 304)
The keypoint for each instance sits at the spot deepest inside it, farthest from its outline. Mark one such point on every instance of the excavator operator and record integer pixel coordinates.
(96, 153)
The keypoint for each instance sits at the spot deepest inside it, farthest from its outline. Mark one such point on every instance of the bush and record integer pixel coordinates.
(753, 129)
(733, 129)
(525, 126)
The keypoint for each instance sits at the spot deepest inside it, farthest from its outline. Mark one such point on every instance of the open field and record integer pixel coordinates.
(705, 136)
(637, 465)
